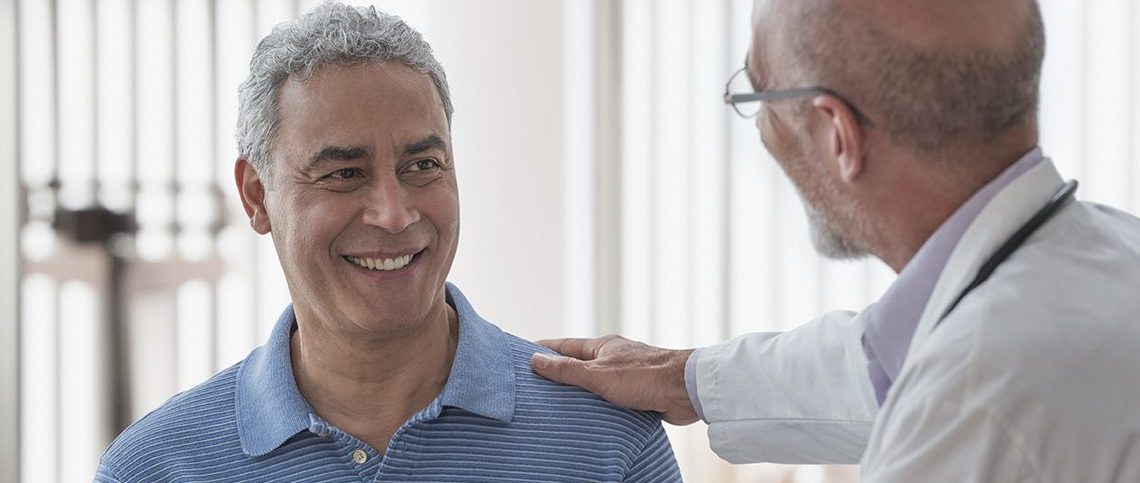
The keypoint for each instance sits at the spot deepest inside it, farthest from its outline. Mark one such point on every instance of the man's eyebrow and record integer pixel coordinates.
(431, 142)
(338, 153)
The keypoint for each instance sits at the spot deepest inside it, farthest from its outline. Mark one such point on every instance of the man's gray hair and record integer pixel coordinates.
(332, 33)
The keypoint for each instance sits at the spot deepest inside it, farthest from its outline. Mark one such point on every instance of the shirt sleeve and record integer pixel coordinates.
(656, 462)
(691, 382)
(796, 397)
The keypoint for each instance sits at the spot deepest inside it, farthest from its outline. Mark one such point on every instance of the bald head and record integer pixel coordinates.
(929, 73)
(958, 25)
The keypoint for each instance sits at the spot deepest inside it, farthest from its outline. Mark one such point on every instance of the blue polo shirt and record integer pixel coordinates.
(495, 420)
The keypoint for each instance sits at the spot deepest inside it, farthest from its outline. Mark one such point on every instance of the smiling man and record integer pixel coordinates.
(379, 370)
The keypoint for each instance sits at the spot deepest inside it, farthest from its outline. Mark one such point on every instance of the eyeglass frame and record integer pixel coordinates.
(733, 99)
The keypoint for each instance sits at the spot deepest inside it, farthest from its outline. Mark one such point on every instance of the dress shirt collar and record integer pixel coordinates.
(892, 320)
(270, 409)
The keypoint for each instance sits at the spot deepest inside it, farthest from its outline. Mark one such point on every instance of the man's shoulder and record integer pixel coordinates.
(1052, 333)
(179, 427)
(1069, 286)
(569, 405)
(1062, 307)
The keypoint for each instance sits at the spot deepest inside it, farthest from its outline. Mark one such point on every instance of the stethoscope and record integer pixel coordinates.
(1014, 242)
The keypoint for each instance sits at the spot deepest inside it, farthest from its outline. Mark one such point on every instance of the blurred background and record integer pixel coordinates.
(604, 185)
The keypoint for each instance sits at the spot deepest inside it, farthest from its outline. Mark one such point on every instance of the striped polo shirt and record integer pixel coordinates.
(494, 420)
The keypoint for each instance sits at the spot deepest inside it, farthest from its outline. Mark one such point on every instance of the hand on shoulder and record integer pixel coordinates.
(622, 371)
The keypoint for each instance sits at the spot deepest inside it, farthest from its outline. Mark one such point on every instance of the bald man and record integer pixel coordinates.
(1008, 349)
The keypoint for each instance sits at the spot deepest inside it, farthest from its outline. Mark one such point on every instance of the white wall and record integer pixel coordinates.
(9, 254)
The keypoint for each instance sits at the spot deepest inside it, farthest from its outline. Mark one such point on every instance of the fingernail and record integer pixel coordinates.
(540, 361)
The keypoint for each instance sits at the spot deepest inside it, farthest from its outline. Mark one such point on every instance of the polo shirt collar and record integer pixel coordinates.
(482, 379)
(270, 409)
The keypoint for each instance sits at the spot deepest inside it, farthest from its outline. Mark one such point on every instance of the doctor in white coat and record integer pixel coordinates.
(1007, 350)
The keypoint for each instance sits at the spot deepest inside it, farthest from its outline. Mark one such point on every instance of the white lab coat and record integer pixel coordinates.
(1034, 377)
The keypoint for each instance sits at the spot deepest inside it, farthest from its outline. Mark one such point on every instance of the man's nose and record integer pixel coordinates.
(390, 206)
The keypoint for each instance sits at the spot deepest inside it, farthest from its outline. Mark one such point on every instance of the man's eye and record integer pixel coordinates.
(346, 173)
(424, 165)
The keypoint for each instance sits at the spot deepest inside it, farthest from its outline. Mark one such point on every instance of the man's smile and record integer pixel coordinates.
(383, 263)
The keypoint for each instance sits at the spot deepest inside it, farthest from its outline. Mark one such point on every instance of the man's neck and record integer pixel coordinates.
(369, 388)
(912, 224)
(923, 198)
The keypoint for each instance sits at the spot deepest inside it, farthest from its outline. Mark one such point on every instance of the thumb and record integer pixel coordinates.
(562, 369)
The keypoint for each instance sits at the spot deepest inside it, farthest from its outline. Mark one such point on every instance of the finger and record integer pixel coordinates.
(583, 349)
(561, 369)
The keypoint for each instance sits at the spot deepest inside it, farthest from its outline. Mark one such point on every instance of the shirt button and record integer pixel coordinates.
(359, 456)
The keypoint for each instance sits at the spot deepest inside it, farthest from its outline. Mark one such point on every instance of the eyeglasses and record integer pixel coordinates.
(747, 103)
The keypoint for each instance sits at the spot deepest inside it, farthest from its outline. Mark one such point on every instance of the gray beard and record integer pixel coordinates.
(826, 238)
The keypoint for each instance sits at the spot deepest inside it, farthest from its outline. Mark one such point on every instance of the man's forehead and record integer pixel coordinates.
(758, 8)
(763, 12)
(370, 109)
(353, 83)
(362, 90)
(770, 22)
(762, 35)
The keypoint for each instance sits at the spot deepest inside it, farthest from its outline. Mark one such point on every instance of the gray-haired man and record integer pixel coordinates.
(379, 369)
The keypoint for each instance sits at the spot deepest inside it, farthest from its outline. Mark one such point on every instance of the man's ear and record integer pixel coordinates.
(847, 138)
(252, 192)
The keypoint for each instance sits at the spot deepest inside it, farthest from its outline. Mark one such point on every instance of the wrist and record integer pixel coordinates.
(681, 410)
(691, 383)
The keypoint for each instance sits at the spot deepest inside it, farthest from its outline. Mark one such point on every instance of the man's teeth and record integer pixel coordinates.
(385, 264)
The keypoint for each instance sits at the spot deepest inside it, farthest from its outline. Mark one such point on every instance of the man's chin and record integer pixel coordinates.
(829, 243)
(837, 249)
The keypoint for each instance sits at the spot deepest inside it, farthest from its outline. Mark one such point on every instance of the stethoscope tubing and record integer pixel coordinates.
(1014, 242)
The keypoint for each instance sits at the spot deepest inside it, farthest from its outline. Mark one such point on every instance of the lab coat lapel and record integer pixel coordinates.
(1006, 212)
